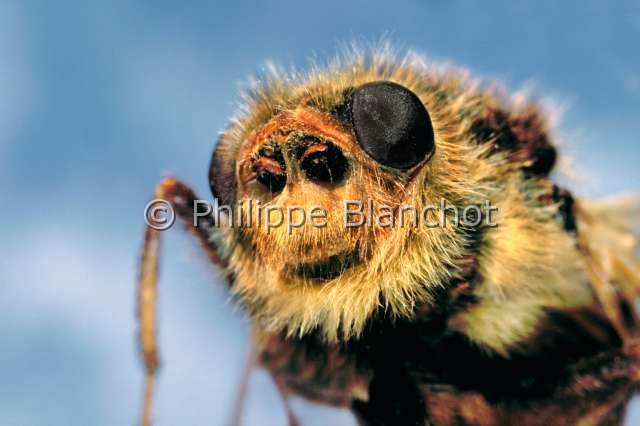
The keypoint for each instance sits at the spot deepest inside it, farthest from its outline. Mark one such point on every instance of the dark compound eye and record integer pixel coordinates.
(222, 178)
(391, 124)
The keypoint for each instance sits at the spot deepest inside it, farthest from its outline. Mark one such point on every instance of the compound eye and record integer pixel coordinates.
(222, 178)
(392, 125)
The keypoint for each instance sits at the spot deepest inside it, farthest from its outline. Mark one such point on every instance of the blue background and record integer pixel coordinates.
(99, 100)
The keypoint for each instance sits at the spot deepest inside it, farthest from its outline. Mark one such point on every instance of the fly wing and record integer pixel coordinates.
(609, 235)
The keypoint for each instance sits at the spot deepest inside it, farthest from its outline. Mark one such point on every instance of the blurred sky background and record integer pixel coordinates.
(99, 100)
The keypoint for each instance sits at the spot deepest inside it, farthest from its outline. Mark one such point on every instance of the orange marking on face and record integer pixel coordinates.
(268, 165)
(302, 120)
(321, 147)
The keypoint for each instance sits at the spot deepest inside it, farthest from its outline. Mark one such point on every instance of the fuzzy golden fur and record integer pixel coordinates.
(528, 263)
(531, 321)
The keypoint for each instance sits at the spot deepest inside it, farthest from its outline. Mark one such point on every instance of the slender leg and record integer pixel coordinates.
(146, 316)
(284, 393)
(181, 198)
(243, 387)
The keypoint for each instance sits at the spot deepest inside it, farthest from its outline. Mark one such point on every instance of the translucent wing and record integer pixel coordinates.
(609, 235)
